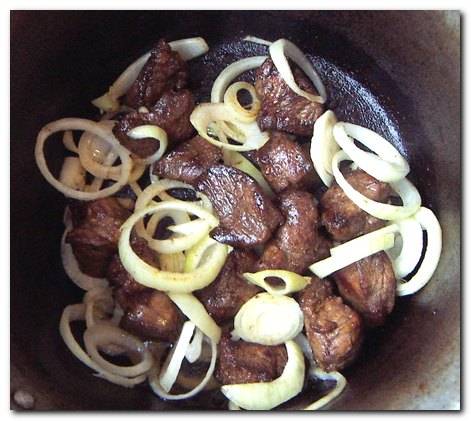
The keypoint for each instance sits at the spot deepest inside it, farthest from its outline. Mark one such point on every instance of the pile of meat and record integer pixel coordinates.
(291, 231)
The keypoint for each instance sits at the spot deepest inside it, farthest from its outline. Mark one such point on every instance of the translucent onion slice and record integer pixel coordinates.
(237, 160)
(192, 308)
(430, 224)
(147, 275)
(292, 282)
(265, 396)
(86, 125)
(195, 255)
(188, 49)
(104, 334)
(72, 173)
(206, 114)
(68, 141)
(305, 346)
(159, 391)
(323, 146)
(154, 132)
(231, 72)
(98, 302)
(386, 164)
(76, 312)
(174, 360)
(257, 40)
(340, 380)
(279, 51)
(174, 262)
(193, 351)
(355, 250)
(268, 319)
(244, 114)
(406, 190)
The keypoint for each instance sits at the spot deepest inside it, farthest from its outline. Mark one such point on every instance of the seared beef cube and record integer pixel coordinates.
(151, 314)
(244, 362)
(94, 238)
(247, 216)
(333, 329)
(188, 161)
(163, 71)
(285, 164)
(224, 297)
(369, 285)
(283, 109)
(341, 217)
(297, 243)
(171, 113)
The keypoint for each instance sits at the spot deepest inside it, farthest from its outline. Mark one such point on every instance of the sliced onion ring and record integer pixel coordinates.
(154, 132)
(72, 173)
(85, 125)
(409, 195)
(340, 383)
(292, 282)
(386, 164)
(279, 51)
(241, 113)
(195, 347)
(257, 40)
(68, 141)
(267, 395)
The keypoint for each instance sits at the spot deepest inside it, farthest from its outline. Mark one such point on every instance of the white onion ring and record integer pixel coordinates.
(154, 132)
(68, 141)
(386, 164)
(86, 125)
(283, 48)
(72, 173)
(257, 40)
(193, 351)
(241, 113)
(340, 380)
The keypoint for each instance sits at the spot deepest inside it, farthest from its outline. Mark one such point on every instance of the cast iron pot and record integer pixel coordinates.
(395, 72)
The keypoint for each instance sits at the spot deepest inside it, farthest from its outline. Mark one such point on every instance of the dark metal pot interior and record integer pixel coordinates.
(395, 72)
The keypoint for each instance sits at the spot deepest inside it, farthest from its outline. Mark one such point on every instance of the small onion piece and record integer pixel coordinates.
(386, 164)
(154, 132)
(72, 173)
(279, 51)
(323, 146)
(241, 113)
(192, 308)
(98, 301)
(206, 114)
(340, 383)
(305, 346)
(231, 72)
(190, 48)
(409, 195)
(268, 319)
(430, 224)
(68, 141)
(257, 40)
(267, 395)
(193, 351)
(292, 282)
(86, 125)
(152, 277)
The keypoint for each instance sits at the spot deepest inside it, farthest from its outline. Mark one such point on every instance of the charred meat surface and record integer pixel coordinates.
(188, 161)
(298, 242)
(171, 113)
(163, 71)
(247, 216)
(369, 285)
(341, 217)
(225, 296)
(95, 235)
(333, 329)
(283, 109)
(245, 362)
(285, 164)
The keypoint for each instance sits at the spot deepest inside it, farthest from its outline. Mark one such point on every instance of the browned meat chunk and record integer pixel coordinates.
(171, 113)
(247, 217)
(224, 297)
(341, 217)
(285, 164)
(333, 329)
(245, 362)
(188, 161)
(164, 70)
(369, 285)
(152, 315)
(94, 238)
(282, 109)
(297, 243)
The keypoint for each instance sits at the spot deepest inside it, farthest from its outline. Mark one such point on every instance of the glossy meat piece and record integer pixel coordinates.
(171, 113)
(341, 217)
(247, 216)
(163, 71)
(188, 161)
(298, 242)
(94, 237)
(333, 329)
(283, 109)
(224, 297)
(245, 362)
(369, 285)
(285, 164)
